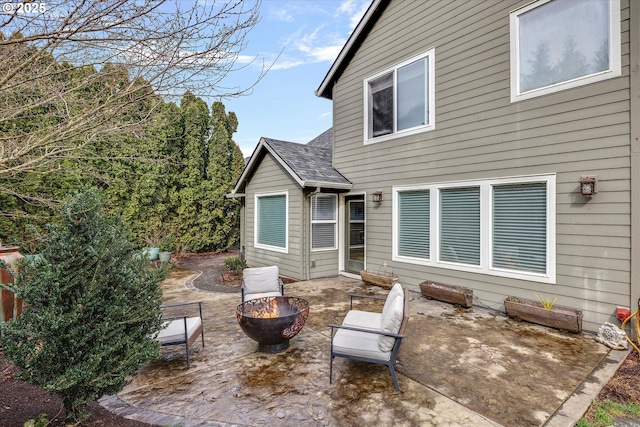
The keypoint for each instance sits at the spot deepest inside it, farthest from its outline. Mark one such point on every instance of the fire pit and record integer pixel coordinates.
(272, 321)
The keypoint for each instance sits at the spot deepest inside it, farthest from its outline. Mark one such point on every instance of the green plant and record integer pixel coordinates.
(93, 308)
(235, 264)
(601, 414)
(547, 302)
(168, 244)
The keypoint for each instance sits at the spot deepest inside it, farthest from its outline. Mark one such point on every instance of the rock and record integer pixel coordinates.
(612, 336)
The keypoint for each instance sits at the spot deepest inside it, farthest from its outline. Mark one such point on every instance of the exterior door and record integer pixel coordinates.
(354, 234)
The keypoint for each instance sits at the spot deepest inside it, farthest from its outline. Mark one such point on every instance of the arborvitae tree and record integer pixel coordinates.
(220, 216)
(195, 125)
(93, 308)
(148, 206)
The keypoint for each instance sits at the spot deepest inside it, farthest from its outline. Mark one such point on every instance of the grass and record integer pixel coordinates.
(601, 414)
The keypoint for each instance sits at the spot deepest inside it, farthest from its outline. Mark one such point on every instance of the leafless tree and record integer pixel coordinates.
(83, 63)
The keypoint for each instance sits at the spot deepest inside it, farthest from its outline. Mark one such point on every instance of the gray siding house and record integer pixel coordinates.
(478, 122)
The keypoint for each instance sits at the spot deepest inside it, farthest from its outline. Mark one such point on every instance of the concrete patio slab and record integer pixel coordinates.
(457, 367)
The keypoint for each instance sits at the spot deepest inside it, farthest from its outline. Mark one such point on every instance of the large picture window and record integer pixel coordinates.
(560, 44)
(271, 222)
(503, 227)
(323, 221)
(400, 101)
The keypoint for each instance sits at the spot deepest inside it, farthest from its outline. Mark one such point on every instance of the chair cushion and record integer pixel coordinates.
(260, 280)
(362, 344)
(247, 297)
(363, 319)
(395, 292)
(174, 330)
(391, 322)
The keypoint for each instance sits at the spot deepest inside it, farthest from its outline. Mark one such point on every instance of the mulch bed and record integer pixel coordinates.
(624, 387)
(21, 402)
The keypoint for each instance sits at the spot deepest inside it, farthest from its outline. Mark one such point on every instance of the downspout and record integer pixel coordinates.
(634, 53)
(307, 247)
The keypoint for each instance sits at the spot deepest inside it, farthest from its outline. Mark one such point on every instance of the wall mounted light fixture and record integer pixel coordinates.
(377, 196)
(587, 186)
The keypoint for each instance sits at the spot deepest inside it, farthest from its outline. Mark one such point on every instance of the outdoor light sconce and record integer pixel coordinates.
(377, 197)
(587, 186)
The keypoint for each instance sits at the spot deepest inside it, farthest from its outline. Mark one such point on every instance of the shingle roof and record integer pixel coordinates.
(312, 162)
(310, 165)
(324, 140)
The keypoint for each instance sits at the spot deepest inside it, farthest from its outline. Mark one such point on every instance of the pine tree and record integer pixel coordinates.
(93, 308)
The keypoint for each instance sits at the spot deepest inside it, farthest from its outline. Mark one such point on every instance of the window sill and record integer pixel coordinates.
(397, 135)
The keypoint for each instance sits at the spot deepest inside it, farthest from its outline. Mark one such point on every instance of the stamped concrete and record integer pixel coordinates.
(457, 367)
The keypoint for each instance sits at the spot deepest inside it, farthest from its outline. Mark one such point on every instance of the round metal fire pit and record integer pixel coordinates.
(272, 321)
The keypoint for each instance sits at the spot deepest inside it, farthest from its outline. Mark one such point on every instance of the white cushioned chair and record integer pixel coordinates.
(258, 282)
(370, 336)
(181, 329)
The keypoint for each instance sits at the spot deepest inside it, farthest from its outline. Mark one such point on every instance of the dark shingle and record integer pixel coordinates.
(311, 162)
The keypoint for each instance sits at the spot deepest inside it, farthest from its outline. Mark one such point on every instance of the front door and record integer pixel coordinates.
(354, 234)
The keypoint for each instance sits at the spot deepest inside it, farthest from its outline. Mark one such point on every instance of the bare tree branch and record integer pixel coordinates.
(69, 73)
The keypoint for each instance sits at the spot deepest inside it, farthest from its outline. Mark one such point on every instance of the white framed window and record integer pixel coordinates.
(561, 44)
(271, 221)
(503, 227)
(324, 222)
(400, 101)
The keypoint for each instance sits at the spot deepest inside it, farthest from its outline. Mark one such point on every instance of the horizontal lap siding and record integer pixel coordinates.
(480, 134)
(269, 178)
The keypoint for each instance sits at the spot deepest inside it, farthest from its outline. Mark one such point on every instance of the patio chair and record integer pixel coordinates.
(261, 282)
(181, 329)
(372, 337)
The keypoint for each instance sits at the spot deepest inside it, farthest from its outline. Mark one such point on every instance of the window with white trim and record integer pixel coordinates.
(272, 222)
(503, 227)
(561, 44)
(400, 101)
(324, 224)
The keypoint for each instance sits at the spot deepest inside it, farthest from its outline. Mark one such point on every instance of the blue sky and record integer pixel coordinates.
(308, 36)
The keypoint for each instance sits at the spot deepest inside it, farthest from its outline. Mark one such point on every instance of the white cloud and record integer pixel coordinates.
(317, 46)
(281, 15)
(355, 9)
(321, 31)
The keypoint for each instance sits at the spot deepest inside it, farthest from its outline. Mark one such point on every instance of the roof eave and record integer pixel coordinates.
(324, 90)
(329, 185)
(247, 169)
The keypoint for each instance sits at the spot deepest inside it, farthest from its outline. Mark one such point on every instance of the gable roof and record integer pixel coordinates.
(349, 49)
(310, 165)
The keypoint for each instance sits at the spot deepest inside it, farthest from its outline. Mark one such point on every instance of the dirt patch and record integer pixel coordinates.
(22, 402)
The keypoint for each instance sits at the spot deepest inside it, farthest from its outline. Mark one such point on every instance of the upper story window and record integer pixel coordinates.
(561, 44)
(400, 101)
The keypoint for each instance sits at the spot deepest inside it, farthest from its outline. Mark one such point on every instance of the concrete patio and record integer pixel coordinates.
(457, 367)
